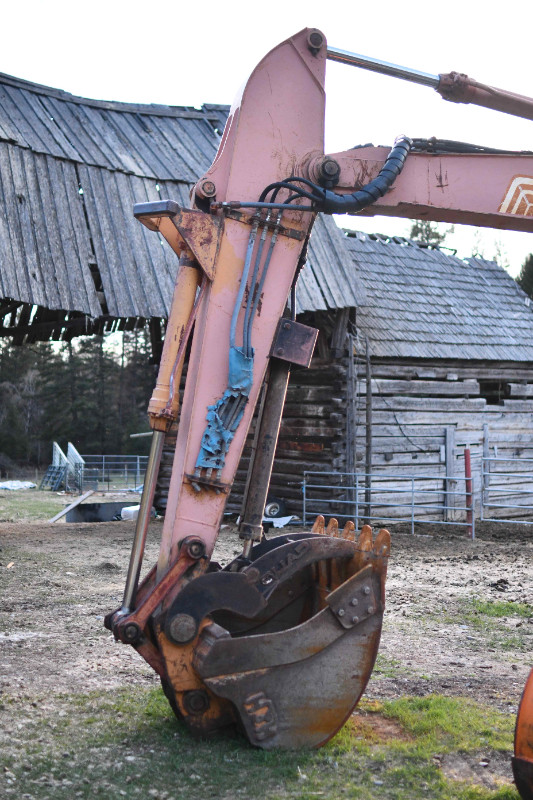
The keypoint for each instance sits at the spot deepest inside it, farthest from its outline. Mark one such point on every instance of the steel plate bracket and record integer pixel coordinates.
(294, 342)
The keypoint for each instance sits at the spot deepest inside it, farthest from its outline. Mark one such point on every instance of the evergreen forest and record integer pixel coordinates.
(92, 391)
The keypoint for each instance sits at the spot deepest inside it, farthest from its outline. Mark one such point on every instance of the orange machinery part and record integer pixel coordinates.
(523, 743)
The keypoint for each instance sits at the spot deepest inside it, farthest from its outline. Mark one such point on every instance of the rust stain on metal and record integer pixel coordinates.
(441, 177)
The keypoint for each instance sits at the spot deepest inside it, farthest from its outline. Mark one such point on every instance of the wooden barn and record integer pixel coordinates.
(73, 259)
(448, 345)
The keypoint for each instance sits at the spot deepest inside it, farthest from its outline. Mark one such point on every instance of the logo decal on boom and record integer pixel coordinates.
(519, 197)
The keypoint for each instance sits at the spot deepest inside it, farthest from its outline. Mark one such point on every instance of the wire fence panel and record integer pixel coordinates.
(111, 472)
(506, 489)
(388, 498)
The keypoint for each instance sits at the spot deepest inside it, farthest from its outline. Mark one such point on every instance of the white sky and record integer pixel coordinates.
(192, 53)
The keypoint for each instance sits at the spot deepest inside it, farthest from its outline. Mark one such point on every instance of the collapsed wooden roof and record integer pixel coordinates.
(72, 258)
(423, 303)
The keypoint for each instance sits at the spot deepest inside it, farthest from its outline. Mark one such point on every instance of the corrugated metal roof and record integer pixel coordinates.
(423, 303)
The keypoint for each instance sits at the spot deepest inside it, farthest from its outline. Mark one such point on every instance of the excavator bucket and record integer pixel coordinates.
(523, 744)
(282, 647)
(281, 644)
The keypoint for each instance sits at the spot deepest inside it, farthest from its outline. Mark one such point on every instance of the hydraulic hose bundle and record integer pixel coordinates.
(327, 201)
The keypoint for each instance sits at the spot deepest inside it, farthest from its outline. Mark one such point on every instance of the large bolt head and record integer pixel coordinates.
(194, 548)
(315, 40)
(330, 168)
(209, 188)
(182, 628)
(196, 701)
(131, 632)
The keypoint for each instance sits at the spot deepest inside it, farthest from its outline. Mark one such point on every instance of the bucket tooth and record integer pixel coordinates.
(381, 546)
(365, 538)
(319, 526)
(348, 532)
(333, 527)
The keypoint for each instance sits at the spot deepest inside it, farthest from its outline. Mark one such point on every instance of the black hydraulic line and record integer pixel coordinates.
(437, 146)
(288, 183)
(253, 284)
(258, 288)
(250, 204)
(343, 204)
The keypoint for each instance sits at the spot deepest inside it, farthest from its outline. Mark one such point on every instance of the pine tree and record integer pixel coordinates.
(525, 278)
(90, 392)
(428, 233)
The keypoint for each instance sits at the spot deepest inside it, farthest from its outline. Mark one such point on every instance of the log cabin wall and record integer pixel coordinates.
(451, 359)
(424, 415)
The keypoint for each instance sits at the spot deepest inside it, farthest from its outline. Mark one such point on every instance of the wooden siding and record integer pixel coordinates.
(425, 415)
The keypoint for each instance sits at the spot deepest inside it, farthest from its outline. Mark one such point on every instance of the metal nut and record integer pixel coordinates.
(355, 620)
(366, 590)
(315, 40)
(195, 549)
(354, 601)
(329, 168)
(370, 610)
(340, 612)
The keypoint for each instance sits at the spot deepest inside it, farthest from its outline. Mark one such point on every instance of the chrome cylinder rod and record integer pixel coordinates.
(384, 67)
(141, 529)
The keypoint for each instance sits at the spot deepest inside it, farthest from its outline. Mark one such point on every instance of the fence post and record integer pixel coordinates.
(412, 505)
(449, 456)
(138, 475)
(468, 492)
(304, 493)
(356, 520)
(485, 469)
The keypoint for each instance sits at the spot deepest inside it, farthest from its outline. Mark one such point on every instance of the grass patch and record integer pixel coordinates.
(128, 744)
(501, 608)
(387, 667)
(29, 505)
(488, 618)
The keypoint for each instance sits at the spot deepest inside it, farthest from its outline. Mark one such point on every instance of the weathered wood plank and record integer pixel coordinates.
(28, 228)
(416, 404)
(72, 505)
(386, 386)
(519, 390)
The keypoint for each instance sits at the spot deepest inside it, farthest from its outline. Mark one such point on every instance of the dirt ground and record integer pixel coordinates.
(58, 581)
